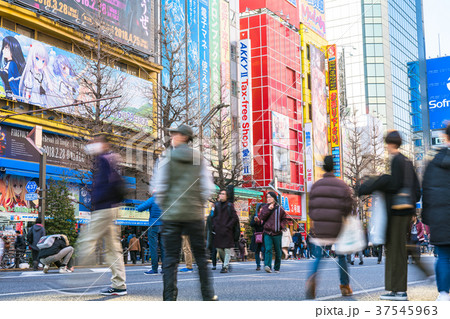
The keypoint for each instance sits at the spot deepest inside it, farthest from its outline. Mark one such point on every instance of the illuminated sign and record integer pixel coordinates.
(245, 103)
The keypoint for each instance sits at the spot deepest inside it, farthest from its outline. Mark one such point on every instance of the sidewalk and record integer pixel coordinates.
(76, 267)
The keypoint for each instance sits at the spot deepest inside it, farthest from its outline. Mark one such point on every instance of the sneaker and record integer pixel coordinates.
(214, 298)
(64, 270)
(150, 272)
(186, 270)
(224, 270)
(443, 296)
(277, 271)
(267, 269)
(361, 262)
(352, 263)
(258, 268)
(46, 267)
(113, 292)
(396, 296)
(213, 268)
(378, 262)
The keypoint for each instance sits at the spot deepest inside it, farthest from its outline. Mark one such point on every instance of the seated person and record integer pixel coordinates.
(59, 253)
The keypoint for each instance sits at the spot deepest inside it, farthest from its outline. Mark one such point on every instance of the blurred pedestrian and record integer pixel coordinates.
(184, 184)
(379, 253)
(274, 220)
(224, 221)
(243, 247)
(154, 232)
(20, 246)
(143, 241)
(330, 200)
(60, 253)
(124, 243)
(402, 179)
(187, 253)
(108, 191)
(134, 247)
(436, 213)
(286, 241)
(210, 240)
(34, 235)
(257, 244)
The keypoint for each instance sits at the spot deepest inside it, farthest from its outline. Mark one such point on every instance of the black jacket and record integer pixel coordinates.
(20, 244)
(58, 244)
(391, 184)
(436, 198)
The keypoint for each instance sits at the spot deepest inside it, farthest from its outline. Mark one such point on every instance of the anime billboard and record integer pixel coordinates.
(45, 76)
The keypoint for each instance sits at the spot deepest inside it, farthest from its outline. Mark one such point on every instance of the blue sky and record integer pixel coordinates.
(437, 22)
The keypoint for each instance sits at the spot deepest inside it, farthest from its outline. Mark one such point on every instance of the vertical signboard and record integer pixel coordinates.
(225, 65)
(312, 14)
(214, 52)
(245, 105)
(281, 144)
(193, 53)
(204, 56)
(309, 156)
(319, 108)
(438, 77)
(334, 109)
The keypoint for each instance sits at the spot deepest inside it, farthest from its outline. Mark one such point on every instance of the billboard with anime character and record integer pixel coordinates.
(46, 76)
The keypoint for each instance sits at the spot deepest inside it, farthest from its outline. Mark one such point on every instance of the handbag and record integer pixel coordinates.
(351, 239)
(259, 238)
(378, 219)
(403, 199)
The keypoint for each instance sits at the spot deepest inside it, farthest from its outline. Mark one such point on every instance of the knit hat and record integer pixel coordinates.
(273, 195)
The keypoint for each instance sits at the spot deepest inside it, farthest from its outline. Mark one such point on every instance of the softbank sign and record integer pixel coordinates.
(438, 78)
(245, 105)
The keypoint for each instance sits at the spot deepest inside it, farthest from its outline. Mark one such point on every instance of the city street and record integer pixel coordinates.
(242, 284)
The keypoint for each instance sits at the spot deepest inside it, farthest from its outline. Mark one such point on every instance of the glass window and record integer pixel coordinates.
(369, 30)
(371, 90)
(378, 49)
(377, 30)
(371, 69)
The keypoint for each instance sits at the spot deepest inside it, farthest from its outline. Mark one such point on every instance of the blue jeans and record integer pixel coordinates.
(443, 268)
(259, 248)
(155, 241)
(343, 270)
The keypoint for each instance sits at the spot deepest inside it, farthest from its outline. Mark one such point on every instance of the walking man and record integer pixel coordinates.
(20, 246)
(183, 185)
(107, 193)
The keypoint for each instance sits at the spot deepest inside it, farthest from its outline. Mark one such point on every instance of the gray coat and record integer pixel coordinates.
(183, 184)
(38, 231)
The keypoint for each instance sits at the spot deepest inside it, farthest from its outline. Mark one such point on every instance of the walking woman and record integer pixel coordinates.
(274, 220)
(257, 244)
(402, 178)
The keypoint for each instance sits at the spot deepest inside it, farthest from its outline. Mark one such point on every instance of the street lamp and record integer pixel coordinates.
(206, 120)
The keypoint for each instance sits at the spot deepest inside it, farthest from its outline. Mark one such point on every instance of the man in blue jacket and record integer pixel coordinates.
(154, 233)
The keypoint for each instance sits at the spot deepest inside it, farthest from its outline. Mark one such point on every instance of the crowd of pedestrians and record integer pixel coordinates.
(182, 184)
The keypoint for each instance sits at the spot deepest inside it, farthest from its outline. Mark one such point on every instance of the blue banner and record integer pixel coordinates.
(438, 77)
(204, 57)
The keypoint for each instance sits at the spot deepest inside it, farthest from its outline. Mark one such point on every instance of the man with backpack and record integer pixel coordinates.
(224, 222)
(34, 235)
(108, 191)
(56, 249)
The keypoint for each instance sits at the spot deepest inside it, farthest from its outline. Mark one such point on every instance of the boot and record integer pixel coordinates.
(35, 265)
(311, 287)
(346, 290)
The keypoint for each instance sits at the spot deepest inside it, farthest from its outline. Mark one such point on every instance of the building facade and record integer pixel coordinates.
(46, 57)
(378, 38)
(271, 73)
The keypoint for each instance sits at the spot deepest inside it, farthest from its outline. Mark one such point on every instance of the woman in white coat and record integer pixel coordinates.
(286, 240)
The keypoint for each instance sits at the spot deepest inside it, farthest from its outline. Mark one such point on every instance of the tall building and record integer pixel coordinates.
(270, 101)
(377, 39)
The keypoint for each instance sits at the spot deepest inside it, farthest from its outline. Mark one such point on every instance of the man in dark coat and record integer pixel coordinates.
(224, 220)
(257, 228)
(402, 176)
(436, 214)
(34, 234)
(330, 199)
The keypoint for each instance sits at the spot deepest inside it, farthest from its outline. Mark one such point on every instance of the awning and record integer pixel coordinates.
(244, 193)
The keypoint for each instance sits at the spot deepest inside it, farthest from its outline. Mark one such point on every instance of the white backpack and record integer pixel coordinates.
(47, 241)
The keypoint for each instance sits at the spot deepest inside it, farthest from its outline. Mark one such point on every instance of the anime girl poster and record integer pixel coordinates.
(66, 80)
(15, 193)
(3, 142)
(36, 82)
(2, 194)
(12, 63)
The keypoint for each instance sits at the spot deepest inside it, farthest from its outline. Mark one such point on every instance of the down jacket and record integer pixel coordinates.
(330, 199)
(436, 198)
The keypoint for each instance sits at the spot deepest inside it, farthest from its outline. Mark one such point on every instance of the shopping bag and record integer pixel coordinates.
(378, 219)
(259, 238)
(351, 239)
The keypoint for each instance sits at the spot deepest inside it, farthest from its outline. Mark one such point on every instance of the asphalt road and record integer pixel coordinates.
(244, 283)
